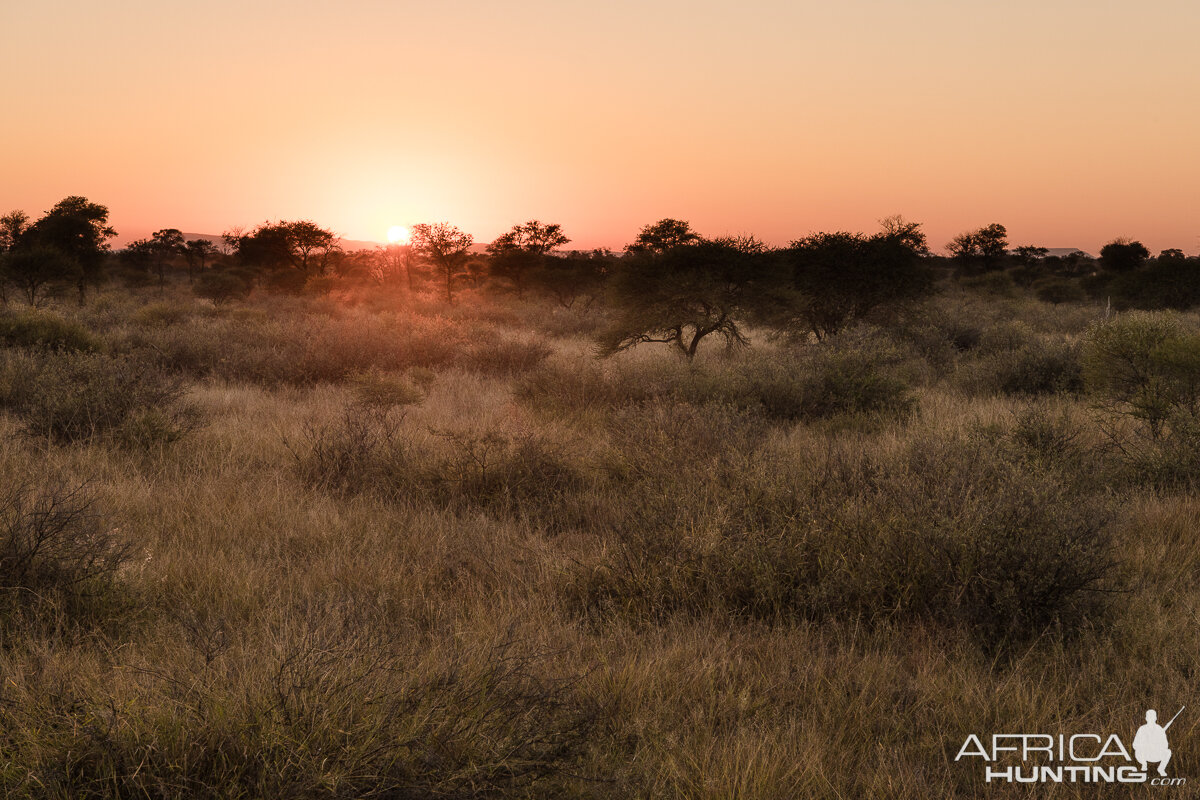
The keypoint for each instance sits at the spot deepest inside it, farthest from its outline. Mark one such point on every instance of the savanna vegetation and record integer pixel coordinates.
(704, 519)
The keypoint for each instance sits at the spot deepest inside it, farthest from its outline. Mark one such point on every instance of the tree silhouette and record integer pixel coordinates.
(832, 279)
(577, 275)
(445, 248)
(1170, 281)
(397, 263)
(220, 286)
(907, 233)
(39, 271)
(1028, 255)
(1123, 255)
(138, 256)
(12, 227)
(309, 246)
(683, 293)
(301, 246)
(197, 252)
(79, 230)
(663, 236)
(1033, 267)
(522, 250)
(163, 247)
(980, 250)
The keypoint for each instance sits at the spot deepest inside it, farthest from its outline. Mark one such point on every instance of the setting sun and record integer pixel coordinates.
(397, 234)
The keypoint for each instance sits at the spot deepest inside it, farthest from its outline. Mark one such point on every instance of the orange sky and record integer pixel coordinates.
(1070, 122)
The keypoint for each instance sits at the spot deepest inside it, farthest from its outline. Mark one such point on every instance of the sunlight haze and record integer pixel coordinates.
(1069, 122)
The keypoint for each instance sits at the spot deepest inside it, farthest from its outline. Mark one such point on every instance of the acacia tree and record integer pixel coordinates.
(12, 227)
(445, 248)
(522, 250)
(397, 263)
(1123, 255)
(577, 275)
(39, 271)
(79, 230)
(162, 248)
(662, 236)
(828, 280)
(138, 257)
(302, 246)
(905, 232)
(983, 249)
(197, 252)
(683, 293)
(309, 246)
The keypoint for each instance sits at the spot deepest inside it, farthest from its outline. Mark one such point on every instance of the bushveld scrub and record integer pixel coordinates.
(1143, 373)
(420, 550)
(300, 349)
(75, 397)
(44, 329)
(944, 529)
(827, 380)
(59, 555)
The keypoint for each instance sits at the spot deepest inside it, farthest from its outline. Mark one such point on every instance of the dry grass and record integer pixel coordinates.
(418, 631)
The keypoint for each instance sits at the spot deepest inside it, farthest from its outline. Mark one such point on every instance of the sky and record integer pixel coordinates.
(1071, 122)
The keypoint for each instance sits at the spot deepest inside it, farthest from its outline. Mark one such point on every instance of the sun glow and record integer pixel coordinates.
(397, 234)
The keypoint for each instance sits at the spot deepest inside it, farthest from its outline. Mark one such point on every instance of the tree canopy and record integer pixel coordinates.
(831, 279)
(683, 293)
(301, 245)
(662, 236)
(78, 229)
(1123, 255)
(517, 254)
(445, 248)
(980, 250)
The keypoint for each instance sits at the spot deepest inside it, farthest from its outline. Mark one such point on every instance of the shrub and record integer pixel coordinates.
(940, 334)
(1049, 438)
(1059, 290)
(496, 356)
(1036, 368)
(55, 547)
(1005, 336)
(1144, 366)
(1169, 462)
(325, 713)
(44, 329)
(847, 382)
(75, 397)
(946, 530)
(360, 452)
(375, 389)
(821, 382)
(307, 348)
(518, 473)
(590, 385)
(160, 314)
(221, 286)
(995, 283)
(367, 452)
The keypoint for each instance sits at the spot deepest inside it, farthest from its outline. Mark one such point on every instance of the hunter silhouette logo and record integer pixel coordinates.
(1075, 758)
(1150, 742)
